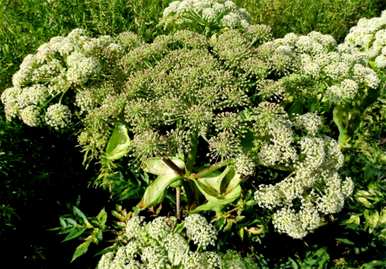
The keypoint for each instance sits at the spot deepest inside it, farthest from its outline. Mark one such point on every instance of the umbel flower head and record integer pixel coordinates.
(313, 188)
(159, 244)
(58, 116)
(205, 16)
(368, 37)
(59, 67)
(308, 67)
(175, 91)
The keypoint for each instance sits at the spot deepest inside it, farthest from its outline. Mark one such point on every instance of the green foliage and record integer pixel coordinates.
(166, 177)
(119, 143)
(319, 259)
(27, 24)
(79, 226)
(333, 17)
(219, 189)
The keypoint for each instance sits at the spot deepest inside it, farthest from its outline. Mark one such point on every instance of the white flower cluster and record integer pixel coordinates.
(309, 122)
(58, 116)
(225, 14)
(25, 103)
(199, 231)
(313, 187)
(245, 165)
(315, 57)
(54, 58)
(59, 66)
(294, 52)
(159, 244)
(280, 150)
(81, 68)
(369, 37)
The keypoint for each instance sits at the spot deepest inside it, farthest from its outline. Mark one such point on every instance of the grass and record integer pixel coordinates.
(26, 24)
(333, 17)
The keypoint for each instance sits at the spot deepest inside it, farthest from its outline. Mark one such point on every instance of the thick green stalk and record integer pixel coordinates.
(338, 117)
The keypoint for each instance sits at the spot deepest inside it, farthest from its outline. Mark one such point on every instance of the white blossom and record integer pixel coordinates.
(199, 231)
(58, 116)
(369, 37)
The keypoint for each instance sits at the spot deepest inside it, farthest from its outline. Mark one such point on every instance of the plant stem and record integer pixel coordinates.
(178, 202)
(193, 153)
(338, 115)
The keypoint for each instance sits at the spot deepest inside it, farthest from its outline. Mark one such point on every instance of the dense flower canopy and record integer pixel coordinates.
(238, 97)
(204, 101)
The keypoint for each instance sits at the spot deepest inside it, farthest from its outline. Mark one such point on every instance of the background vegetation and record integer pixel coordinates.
(334, 17)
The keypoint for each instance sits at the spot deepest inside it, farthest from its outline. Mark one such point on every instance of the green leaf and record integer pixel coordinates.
(97, 235)
(63, 222)
(102, 217)
(206, 189)
(339, 117)
(155, 191)
(233, 181)
(81, 250)
(353, 221)
(157, 166)
(77, 212)
(216, 204)
(214, 181)
(71, 222)
(219, 189)
(119, 143)
(345, 241)
(106, 250)
(241, 233)
(75, 233)
(382, 217)
(364, 202)
(372, 219)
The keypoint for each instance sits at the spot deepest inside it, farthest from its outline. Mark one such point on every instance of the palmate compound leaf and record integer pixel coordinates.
(119, 143)
(166, 176)
(219, 188)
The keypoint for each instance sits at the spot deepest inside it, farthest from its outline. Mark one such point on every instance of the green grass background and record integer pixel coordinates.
(25, 24)
(333, 17)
